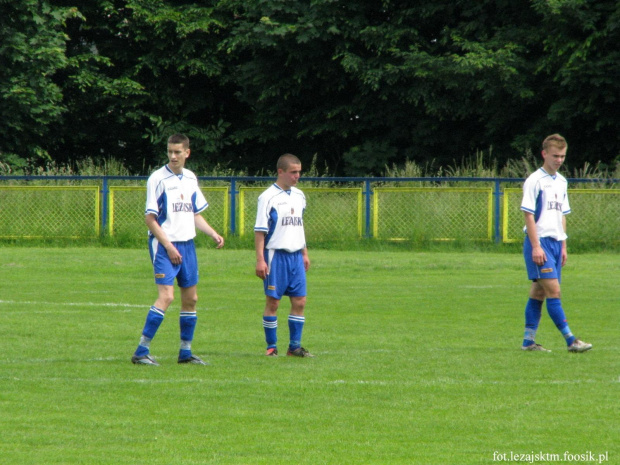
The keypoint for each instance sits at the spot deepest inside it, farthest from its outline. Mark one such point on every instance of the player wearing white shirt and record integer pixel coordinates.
(545, 206)
(173, 206)
(281, 254)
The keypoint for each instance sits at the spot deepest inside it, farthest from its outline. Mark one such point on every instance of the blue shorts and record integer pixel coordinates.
(552, 268)
(186, 273)
(286, 274)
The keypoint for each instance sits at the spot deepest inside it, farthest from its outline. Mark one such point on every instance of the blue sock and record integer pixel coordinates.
(556, 312)
(153, 320)
(187, 323)
(270, 323)
(533, 311)
(296, 327)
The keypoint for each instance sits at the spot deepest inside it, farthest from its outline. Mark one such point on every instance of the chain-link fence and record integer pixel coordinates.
(595, 215)
(49, 211)
(433, 213)
(46, 208)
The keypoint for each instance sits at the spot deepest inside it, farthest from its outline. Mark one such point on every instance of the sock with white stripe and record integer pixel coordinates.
(296, 327)
(151, 325)
(270, 323)
(187, 323)
(533, 312)
(556, 312)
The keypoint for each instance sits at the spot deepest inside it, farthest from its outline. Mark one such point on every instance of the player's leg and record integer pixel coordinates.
(296, 321)
(270, 325)
(165, 273)
(297, 292)
(533, 312)
(188, 280)
(154, 318)
(274, 285)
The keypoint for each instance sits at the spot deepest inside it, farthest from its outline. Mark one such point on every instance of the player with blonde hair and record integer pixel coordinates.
(545, 206)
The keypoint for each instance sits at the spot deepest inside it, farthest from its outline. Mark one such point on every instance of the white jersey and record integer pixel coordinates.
(280, 216)
(546, 197)
(175, 199)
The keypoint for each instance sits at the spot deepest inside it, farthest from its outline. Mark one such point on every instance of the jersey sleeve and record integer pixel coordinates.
(152, 197)
(199, 201)
(565, 205)
(262, 218)
(530, 195)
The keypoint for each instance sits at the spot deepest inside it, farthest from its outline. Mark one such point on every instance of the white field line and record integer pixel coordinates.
(71, 304)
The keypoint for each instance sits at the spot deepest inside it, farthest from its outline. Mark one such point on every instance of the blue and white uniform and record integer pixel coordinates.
(546, 197)
(174, 200)
(280, 217)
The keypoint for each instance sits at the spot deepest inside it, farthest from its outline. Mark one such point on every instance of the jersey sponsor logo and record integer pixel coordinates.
(547, 270)
(292, 221)
(554, 205)
(182, 207)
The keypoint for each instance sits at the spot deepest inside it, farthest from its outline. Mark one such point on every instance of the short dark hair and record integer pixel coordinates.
(287, 159)
(179, 139)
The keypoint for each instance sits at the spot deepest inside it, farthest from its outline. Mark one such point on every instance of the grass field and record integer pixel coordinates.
(418, 362)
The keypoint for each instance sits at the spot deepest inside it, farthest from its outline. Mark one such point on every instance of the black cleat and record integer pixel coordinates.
(193, 360)
(144, 360)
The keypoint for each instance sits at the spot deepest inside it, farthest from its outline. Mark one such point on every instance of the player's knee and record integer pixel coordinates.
(271, 306)
(298, 305)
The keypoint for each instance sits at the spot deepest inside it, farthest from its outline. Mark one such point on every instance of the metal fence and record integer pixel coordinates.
(485, 209)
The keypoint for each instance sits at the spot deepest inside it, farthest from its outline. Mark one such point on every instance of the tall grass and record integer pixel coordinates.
(484, 165)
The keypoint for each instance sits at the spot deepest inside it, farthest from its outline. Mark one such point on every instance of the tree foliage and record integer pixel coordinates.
(355, 85)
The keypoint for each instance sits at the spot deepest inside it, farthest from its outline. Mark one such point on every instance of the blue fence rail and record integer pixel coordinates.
(366, 182)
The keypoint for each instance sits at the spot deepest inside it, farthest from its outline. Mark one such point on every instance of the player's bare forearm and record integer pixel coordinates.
(564, 249)
(259, 246)
(206, 228)
(151, 222)
(306, 259)
(538, 255)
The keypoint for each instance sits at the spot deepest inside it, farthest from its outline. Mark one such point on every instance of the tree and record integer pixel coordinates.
(32, 50)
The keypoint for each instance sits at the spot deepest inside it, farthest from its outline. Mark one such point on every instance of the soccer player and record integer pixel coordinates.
(174, 204)
(545, 205)
(281, 254)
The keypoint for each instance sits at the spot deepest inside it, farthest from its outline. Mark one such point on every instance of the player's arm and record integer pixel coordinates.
(202, 225)
(259, 246)
(538, 254)
(564, 250)
(151, 222)
(304, 254)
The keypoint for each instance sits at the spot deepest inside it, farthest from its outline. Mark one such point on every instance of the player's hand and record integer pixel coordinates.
(538, 255)
(262, 269)
(174, 255)
(219, 241)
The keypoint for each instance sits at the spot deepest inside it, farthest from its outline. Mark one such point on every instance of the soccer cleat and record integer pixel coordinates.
(192, 360)
(272, 352)
(579, 346)
(535, 348)
(299, 352)
(144, 360)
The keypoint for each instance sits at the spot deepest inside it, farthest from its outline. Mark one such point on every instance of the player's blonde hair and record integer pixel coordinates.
(554, 140)
(286, 160)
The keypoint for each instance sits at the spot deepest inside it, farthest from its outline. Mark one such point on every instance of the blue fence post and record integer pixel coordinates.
(368, 200)
(233, 206)
(498, 195)
(104, 206)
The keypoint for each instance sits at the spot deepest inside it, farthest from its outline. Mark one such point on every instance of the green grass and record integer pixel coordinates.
(418, 362)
